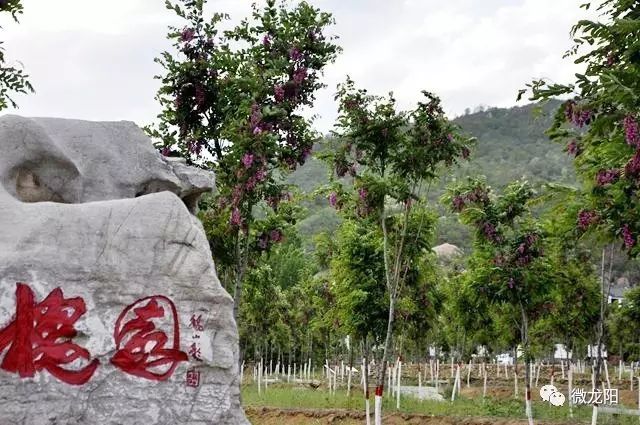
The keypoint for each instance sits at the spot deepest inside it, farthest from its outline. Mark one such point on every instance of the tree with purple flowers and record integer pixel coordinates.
(12, 80)
(508, 266)
(599, 124)
(232, 103)
(392, 157)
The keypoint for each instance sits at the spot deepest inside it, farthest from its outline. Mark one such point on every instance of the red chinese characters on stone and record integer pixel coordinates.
(196, 322)
(193, 378)
(194, 351)
(40, 337)
(142, 349)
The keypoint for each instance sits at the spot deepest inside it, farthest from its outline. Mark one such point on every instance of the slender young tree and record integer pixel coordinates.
(391, 156)
(507, 266)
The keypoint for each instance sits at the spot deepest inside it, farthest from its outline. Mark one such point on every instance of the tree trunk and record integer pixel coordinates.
(603, 308)
(382, 368)
(365, 374)
(527, 364)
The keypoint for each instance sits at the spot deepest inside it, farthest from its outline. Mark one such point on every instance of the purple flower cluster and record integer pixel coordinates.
(526, 251)
(295, 54)
(194, 147)
(187, 35)
(490, 232)
(350, 104)
(511, 283)
(577, 115)
(477, 195)
(632, 169)
(362, 193)
(573, 148)
(165, 151)
(278, 92)
(200, 96)
(247, 160)
(631, 130)
(605, 177)
(458, 203)
(266, 41)
(275, 235)
(333, 199)
(261, 175)
(300, 75)
(236, 219)
(627, 236)
(586, 218)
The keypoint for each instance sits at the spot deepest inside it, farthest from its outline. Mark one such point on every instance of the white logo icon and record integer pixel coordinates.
(556, 399)
(551, 394)
(546, 391)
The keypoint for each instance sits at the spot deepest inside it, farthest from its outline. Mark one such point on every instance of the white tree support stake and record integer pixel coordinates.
(398, 388)
(484, 385)
(349, 380)
(453, 391)
(620, 367)
(367, 410)
(260, 377)
(389, 381)
(570, 390)
(452, 371)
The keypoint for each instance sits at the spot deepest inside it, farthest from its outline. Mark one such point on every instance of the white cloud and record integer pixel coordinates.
(94, 60)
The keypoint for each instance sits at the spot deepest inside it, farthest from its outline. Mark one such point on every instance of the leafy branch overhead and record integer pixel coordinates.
(13, 80)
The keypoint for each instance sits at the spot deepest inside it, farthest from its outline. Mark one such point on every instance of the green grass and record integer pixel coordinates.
(300, 397)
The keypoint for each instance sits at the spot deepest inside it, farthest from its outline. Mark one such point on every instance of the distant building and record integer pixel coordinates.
(561, 352)
(447, 251)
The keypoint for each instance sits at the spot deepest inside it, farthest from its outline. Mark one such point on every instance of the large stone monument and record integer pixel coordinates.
(110, 308)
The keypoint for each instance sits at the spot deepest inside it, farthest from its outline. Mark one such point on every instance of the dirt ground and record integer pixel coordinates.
(271, 416)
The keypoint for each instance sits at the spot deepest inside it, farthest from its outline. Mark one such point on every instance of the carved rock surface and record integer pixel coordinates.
(110, 308)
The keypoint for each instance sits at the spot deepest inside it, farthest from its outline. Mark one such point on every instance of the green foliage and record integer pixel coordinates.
(357, 268)
(599, 124)
(12, 80)
(623, 326)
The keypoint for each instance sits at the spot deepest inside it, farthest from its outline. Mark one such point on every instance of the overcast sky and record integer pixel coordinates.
(93, 60)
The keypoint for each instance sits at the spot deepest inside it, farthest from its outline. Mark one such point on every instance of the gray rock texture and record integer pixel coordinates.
(92, 209)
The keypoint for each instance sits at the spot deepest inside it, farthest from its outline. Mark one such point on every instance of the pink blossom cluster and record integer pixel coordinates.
(587, 218)
(577, 115)
(573, 148)
(627, 236)
(631, 130)
(605, 177)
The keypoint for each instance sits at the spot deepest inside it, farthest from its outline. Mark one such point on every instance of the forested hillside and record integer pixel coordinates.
(511, 145)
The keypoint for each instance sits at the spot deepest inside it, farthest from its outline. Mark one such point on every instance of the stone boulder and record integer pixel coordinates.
(110, 308)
